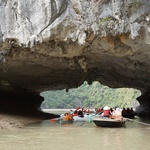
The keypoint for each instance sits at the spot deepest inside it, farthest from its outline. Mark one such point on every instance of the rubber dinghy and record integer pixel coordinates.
(85, 118)
(107, 122)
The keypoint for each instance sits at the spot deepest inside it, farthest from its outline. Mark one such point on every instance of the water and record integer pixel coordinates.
(76, 136)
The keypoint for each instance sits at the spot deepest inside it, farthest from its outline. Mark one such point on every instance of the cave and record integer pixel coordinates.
(61, 44)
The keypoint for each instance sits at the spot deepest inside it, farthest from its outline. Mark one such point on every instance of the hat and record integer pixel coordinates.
(106, 108)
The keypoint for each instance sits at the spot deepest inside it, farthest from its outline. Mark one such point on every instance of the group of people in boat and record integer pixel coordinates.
(128, 113)
(112, 113)
(69, 115)
(116, 114)
(78, 112)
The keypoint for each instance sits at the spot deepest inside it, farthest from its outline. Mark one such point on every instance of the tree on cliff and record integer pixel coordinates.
(95, 95)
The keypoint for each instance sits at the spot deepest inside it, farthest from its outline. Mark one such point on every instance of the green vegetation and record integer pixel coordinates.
(95, 95)
(103, 21)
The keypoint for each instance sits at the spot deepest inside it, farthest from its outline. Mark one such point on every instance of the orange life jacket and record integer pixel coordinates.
(70, 117)
(66, 117)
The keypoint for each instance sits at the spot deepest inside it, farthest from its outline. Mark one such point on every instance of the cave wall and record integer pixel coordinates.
(53, 44)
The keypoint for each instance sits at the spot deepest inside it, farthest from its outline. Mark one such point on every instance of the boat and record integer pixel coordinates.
(85, 118)
(107, 122)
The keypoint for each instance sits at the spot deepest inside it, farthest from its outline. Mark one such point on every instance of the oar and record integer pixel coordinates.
(138, 121)
(82, 124)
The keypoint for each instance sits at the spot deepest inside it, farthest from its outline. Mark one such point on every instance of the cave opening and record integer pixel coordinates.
(95, 95)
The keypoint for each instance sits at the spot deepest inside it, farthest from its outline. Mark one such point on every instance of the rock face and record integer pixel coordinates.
(57, 44)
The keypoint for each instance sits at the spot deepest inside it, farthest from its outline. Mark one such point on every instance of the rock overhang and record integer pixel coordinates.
(60, 44)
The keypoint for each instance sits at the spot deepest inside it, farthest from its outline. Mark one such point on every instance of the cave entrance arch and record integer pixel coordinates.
(95, 95)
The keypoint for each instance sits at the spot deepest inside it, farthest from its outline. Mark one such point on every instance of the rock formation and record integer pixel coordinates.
(59, 44)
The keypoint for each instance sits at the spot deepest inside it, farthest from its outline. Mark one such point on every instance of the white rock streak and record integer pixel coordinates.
(30, 21)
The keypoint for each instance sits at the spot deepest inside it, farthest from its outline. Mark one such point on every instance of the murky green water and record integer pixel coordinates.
(76, 136)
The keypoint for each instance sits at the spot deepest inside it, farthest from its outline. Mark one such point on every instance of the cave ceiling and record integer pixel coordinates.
(60, 44)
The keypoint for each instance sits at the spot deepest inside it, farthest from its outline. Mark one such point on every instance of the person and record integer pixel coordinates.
(96, 110)
(132, 111)
(100, 111)
(128, 111)
(88, 111)
(66, 116)
(80, 113)
(124, 112)
(106, 112)
(118, 114)
(112, 116)
(75, 113)
(70, 116)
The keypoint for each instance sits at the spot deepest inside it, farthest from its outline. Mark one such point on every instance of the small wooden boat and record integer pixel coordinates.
(107, 122)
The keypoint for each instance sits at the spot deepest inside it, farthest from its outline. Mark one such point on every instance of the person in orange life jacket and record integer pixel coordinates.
(66, 117)
(70, 116)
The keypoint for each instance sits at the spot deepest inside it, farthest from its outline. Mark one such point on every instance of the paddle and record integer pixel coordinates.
(138, 121)
(82, 124)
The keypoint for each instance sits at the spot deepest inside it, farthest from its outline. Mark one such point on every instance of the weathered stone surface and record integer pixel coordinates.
(55, 44)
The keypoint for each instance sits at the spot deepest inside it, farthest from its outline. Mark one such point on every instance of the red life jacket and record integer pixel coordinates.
(106, 113)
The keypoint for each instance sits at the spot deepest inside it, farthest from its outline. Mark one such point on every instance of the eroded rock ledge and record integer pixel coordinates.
(53, 44)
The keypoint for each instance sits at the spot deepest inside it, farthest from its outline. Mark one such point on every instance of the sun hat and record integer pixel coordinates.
(106, 108)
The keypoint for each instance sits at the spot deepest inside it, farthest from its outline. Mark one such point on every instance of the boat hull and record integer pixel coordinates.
(109, 122)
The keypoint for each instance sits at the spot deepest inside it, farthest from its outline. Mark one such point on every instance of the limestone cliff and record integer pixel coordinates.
(57, 44)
